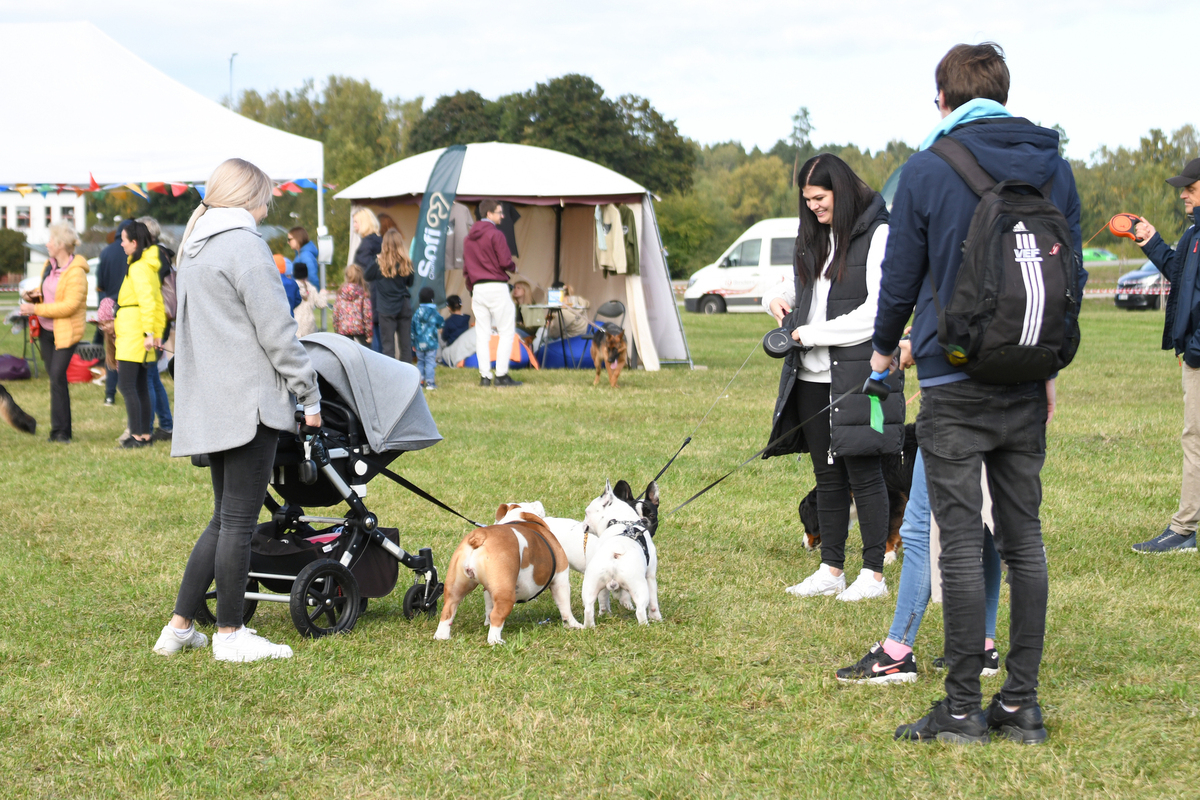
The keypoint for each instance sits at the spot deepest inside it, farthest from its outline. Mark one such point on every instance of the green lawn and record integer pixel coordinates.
(733, 695)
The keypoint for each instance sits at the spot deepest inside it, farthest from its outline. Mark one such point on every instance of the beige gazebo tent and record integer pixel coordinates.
(556, 195)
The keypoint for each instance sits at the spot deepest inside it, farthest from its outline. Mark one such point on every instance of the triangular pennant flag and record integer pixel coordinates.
(305, 183)
(93, 186)
(23, 189)
(276, 192)
(291, 187)
(157, 186)
(140, 191)
(199, 187)
(178, 189)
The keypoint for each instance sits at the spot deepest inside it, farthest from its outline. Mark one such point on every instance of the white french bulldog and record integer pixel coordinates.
(625, 558)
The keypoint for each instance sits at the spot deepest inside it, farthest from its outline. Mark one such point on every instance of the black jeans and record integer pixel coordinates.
(239, 477)
(389, 326)
(961, 426)
(132, 379)
(863, 474)
(56, 362)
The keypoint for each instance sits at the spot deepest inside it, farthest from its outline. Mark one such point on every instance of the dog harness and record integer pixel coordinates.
(553, 567)
(636, 531)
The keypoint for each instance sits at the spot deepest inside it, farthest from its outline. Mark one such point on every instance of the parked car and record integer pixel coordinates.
(1098, 254)
(757, 260)
(1145, 287)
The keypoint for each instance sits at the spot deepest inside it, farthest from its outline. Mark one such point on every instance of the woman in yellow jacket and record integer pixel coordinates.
(61, 307)
(139, 326)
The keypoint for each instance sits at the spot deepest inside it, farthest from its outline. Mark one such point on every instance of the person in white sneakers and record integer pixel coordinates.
(240, 373)
(830, 312)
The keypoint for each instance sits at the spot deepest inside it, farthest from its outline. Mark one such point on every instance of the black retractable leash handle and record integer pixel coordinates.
(873, 387)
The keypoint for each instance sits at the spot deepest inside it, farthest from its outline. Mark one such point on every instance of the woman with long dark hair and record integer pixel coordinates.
(830, 311)
(391, 275)
(139, 327)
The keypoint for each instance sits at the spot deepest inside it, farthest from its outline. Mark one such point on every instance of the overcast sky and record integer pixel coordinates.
(734, 69)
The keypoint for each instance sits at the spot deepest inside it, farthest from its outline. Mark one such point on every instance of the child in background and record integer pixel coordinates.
(457, 323)
(352, 310)
(425, 325)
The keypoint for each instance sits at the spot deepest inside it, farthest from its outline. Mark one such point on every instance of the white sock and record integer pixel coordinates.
(183, 633)
(959, 716)
(1009, 710)
(229, 637)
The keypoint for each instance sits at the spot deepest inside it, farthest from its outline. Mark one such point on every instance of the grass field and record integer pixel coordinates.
(733, 695)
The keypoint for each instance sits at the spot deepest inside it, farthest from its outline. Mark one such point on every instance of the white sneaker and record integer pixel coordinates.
(245, 645)
(864, 588)
(823, 581)
(170, 643)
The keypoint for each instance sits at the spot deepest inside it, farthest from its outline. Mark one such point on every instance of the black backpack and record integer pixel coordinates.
(1013, 316)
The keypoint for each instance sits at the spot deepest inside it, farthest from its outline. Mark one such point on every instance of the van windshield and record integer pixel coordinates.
(745, 254)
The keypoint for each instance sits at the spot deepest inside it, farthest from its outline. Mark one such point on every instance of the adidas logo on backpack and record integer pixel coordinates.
(1013, 315)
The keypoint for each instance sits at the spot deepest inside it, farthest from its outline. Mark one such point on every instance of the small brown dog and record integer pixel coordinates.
(610, 351)
(515, 560)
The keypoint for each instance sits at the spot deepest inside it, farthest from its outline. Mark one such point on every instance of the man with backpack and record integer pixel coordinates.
(994, 274)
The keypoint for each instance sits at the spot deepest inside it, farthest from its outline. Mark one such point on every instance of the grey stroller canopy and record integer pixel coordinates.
(384, 393)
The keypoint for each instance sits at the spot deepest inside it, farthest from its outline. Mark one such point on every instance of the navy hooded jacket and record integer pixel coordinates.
(931, 214)
(1182, 327)
(110, 273)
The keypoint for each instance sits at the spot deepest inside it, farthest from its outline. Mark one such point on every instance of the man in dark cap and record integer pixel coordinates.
(1182, 332)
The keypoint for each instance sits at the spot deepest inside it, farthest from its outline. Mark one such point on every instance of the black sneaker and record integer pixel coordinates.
(1023, 725)
(878, 667)
(505, 380)
(160, 435)
(991, 663)
(485, 381)
(133, 443)
(940, 725)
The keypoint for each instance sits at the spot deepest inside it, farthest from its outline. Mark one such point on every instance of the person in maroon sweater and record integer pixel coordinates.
(486, 264)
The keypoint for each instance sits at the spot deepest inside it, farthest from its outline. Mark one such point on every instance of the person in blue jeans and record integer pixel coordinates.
(425, 326)
(892, 660)
(161, 405)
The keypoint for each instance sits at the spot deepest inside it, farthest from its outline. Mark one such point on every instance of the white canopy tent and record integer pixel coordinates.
(172, 134)
(546, 186)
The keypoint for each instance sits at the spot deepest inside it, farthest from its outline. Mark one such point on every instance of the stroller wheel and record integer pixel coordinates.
(325, 599)
(206, 612)
(414, 602)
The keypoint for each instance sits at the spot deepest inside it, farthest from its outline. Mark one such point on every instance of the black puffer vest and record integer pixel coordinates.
(851, 433)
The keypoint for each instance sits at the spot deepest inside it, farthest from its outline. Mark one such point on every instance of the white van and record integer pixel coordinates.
(757, 261)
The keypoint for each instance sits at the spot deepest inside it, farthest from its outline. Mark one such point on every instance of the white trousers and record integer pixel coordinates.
(493, 307)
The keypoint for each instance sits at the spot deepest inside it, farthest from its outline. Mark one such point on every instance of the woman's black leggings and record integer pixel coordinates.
(239, 477)
(862, 474)
(132, 380)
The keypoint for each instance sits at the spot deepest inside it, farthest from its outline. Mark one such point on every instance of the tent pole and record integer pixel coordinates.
(558, 211)
(321, 229)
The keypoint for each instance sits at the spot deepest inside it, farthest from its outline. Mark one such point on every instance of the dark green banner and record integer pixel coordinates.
(429, 243)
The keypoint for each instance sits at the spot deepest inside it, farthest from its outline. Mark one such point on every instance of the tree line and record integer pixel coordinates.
(706, 193)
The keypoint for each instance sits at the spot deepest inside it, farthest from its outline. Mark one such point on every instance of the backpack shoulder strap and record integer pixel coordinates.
(956, 154)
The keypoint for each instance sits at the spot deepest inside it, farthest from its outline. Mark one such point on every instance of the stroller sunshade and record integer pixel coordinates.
(384, 393)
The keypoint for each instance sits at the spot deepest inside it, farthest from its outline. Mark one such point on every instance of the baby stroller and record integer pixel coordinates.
(326, 567)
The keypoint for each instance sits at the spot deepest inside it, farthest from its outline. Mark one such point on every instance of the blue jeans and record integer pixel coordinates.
(961, 426)
(426, 359)
(159, 400)
(912, 596)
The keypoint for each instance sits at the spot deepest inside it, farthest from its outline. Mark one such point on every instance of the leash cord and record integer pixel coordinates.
(770, 444)
(721, 394)
(1097, 233)
(417, 490)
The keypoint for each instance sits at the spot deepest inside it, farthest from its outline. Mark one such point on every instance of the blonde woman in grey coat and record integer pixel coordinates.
(239, 373)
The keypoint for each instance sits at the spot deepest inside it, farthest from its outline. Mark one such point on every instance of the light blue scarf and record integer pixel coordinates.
(979, 108)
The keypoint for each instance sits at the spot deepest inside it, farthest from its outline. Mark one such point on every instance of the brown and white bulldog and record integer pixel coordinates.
(515, 560)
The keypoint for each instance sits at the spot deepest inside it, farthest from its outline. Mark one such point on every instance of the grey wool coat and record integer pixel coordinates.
(238, 362)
